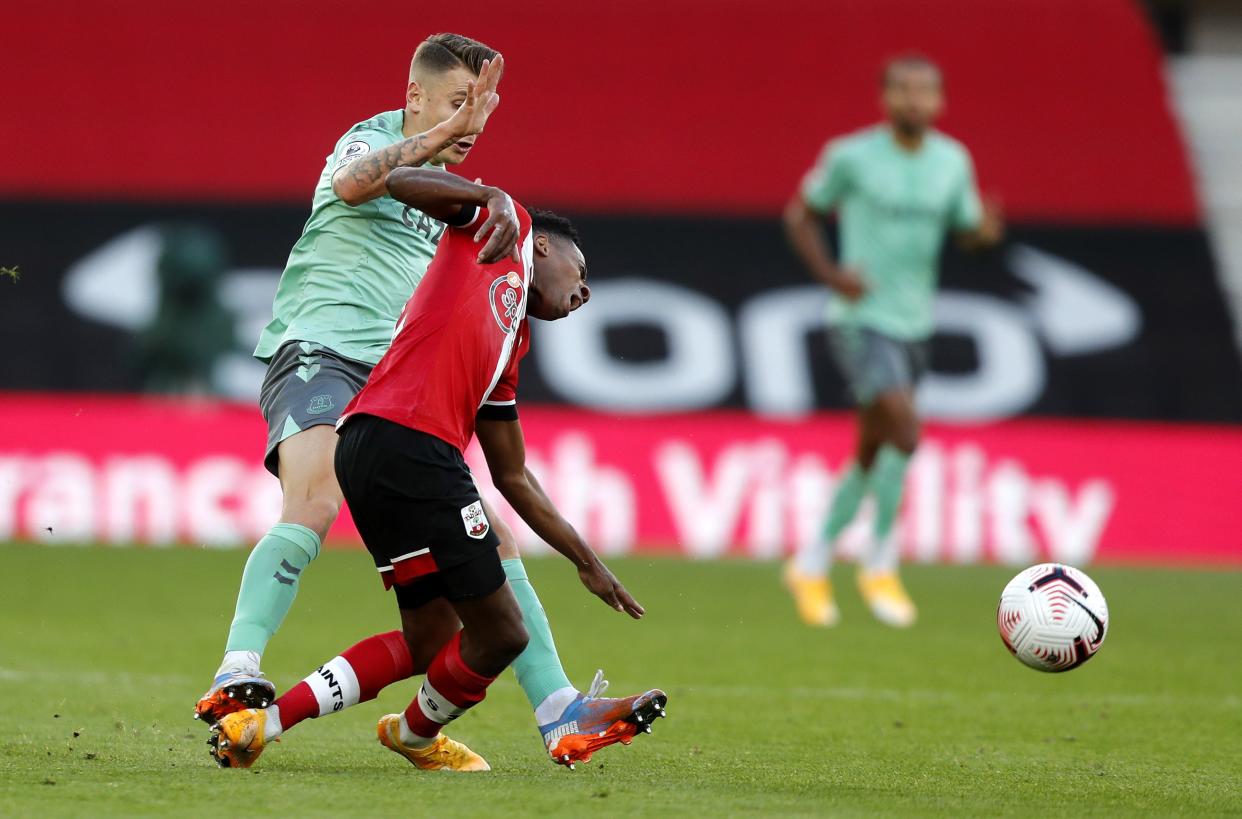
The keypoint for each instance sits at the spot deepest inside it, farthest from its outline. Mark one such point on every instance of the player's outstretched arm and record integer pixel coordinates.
(363, 179)
(505, 449)
(443, 196)
(805, 233)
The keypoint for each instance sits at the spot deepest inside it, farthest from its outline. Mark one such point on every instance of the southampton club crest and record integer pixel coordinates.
(507, 299)
(474, 520)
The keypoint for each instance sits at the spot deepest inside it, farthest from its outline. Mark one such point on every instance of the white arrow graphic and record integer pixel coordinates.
(1077, 312)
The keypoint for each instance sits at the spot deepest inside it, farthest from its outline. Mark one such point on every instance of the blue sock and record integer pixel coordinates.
(538, 668)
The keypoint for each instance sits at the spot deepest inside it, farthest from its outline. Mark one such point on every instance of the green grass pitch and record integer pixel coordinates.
(104, 651)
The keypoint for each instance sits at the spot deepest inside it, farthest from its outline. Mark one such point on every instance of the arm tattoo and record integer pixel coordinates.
(370, 169)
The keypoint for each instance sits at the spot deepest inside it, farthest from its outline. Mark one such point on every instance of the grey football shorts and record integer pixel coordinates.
(306, 385)
(874, 363)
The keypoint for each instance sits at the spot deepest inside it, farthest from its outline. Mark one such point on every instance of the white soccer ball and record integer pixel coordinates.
(1052, 617)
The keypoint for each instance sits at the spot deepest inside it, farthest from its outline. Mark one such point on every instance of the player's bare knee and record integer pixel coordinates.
(906, 439)
(508, 548)
(905, 434)
(317, 512)
(490, 651)
(868, 448)
(895, 421)
(872, 434)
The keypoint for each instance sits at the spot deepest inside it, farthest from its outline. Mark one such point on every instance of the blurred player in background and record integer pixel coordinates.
(452, 369)
(896, 188)
(361, 254)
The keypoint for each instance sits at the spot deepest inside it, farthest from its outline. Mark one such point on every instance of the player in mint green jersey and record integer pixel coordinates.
(361, 254)
(897, 188)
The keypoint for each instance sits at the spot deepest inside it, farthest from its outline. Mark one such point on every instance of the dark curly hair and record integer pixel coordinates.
(545, 221)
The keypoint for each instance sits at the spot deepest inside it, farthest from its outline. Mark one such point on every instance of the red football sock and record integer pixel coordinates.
(450, 689)
(296, 704)
(378, 662)
(357, 675)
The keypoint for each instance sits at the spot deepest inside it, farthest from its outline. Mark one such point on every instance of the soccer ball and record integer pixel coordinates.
(1052, 617)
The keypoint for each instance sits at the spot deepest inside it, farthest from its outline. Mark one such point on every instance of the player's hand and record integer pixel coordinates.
(992, 225)
(848, 284)
(603, 584)
(481, 100)
(502, 224)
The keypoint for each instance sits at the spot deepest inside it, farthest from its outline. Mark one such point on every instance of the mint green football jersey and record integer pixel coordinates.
(893, 210)
(353, 268)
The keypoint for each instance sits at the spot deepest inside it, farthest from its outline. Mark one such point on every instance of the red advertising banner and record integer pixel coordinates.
(124, 470)
(679, 106)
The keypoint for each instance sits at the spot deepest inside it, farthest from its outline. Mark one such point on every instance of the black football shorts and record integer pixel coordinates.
(419, 513)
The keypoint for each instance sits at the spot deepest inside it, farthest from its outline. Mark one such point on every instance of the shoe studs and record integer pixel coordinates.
(217, 745)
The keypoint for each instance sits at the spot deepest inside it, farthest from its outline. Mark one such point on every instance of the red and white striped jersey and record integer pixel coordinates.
(458, 341)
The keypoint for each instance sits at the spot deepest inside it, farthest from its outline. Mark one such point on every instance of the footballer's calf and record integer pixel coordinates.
(493, 635)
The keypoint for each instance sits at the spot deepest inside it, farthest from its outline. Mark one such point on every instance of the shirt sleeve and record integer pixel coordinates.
(828, 181)
(967, 212)
(468, 216)
(358, 142)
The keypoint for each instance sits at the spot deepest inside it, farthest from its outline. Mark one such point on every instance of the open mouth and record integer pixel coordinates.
(463, 145)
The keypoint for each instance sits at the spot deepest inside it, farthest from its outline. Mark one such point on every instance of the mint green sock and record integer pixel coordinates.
(269, 584)
(887, 481)
(815, 558)
(845, 502)
(538, 668)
